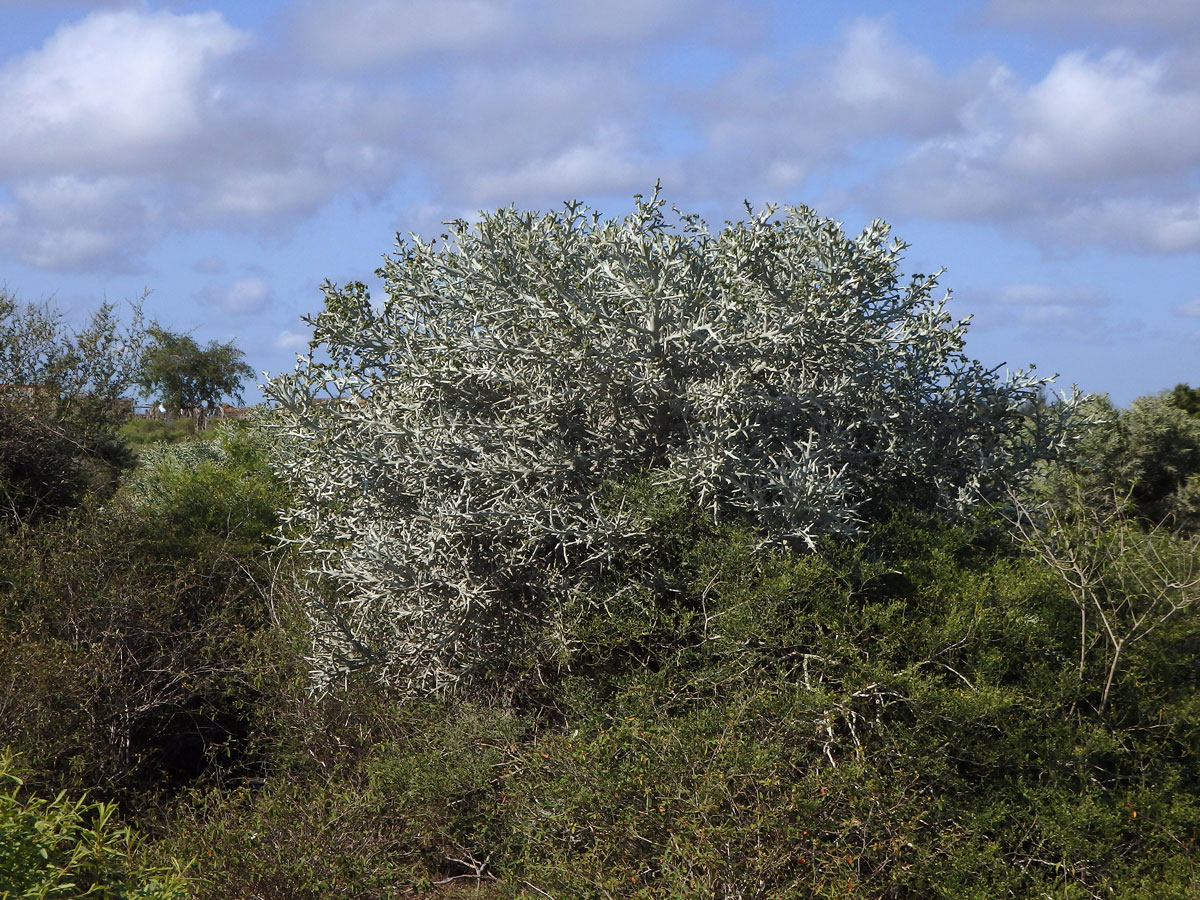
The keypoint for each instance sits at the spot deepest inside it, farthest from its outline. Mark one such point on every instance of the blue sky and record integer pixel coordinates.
(229, 157)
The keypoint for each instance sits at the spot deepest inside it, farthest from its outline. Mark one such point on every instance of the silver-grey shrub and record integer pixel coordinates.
(465, 480)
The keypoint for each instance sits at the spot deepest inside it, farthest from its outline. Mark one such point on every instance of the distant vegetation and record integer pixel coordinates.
(949, 699)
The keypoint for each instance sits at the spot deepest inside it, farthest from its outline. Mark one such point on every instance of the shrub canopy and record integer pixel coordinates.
(459, 454)
(60, 404)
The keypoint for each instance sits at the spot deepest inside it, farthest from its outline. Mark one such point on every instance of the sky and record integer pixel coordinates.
(229, 157)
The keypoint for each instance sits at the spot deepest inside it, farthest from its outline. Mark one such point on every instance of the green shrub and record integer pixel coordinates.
(220, 486)
(1186, 398)
(64, 848)
(899, 719)
(415, 785)
(1148, 453)
(40, 469)
(60, 406)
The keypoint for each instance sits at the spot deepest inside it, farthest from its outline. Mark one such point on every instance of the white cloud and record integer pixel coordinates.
(1043, 295)
(201, 126)
(252, 194)
(1190, 310)
(769, 121)
(353, 34)
(110, 92)
(1102, 151)
(616, 21)
(527, 133)
(127, 123)
(875, 76)
(1140, 224)
(607, 164)
(72, 222)
(28, 3)
(209, 265)
(356, 34)
(1113, 117)
(294, 341)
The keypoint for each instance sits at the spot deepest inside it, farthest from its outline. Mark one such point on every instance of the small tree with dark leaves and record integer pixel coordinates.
(187, 377)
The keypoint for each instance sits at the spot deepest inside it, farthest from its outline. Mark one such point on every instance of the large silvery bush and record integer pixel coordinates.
(458, 454)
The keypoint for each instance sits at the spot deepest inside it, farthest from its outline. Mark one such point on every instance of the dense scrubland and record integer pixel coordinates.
(899, 693)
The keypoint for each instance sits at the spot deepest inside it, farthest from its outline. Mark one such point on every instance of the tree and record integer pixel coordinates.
(1147, 454)
(1186, 398)
(60, 402)
(460, 454)
(188, 377)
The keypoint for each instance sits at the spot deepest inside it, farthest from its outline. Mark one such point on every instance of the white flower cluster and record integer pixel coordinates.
(451, 452)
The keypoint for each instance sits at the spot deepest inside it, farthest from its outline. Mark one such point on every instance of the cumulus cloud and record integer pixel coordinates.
(183, 121)
(293, 341)
(771, 122)
(571, 23)
(364, 33)
(535, 133)
(360, 34)
(1141, 224)
(81, 3)
(209, 265)
(129, 122)
(1104, 150)
(74, 222)
(1111, 117)
(94, 121)
(607, 164)
(874, 76)
(111, 92)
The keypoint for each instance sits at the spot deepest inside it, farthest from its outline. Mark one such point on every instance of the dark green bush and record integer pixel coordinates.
(901, 717)
(416, 786)
(139, 636)
(60, 406)
(40, 470)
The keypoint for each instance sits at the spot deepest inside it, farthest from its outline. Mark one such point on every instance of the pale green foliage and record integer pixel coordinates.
(467, 481)
(161, 465)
